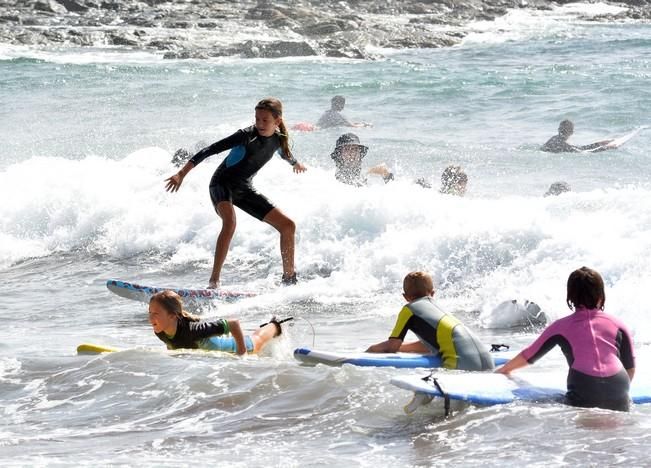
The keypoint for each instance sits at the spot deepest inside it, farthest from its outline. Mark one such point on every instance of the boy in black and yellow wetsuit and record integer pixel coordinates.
(438, 332)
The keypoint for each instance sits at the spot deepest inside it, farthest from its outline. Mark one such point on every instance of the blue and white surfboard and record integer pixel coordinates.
(138, 292)
(400, 360)
(498, 389)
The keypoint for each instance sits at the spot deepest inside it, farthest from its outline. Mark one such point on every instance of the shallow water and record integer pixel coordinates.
(87, 140)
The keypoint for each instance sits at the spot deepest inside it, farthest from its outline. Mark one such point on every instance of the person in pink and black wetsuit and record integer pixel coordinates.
(598, 347)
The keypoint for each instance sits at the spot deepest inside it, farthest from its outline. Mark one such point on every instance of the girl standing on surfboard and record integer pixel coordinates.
(231, 184)
(598, 347)
(179, 329)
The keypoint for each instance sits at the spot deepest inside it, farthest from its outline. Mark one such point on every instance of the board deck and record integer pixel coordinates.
(498, 389)
(138, 292)
(616, 142)
(399, 360)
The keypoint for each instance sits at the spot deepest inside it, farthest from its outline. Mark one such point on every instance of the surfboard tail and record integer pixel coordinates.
(90, 348)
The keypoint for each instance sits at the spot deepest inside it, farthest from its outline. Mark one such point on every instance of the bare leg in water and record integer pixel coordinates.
(226, 212)
(264, 335)
(286, 228)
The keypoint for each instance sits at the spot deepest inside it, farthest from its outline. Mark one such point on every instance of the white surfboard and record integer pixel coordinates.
(497, 389)
(616, 142)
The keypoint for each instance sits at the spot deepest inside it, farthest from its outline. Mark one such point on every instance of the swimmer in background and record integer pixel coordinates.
(179, 329)
(182, 155)
(454, 181)
(334, 118)
(598, 347)
(348, 155)
(557, 188)
(558, 143)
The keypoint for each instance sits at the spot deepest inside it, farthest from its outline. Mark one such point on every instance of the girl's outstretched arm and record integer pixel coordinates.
(174, 183)
(236, 332)
(515, 363)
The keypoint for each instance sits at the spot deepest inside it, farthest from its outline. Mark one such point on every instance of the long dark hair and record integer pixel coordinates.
(172, 303)
(274, 106)
(585, 287)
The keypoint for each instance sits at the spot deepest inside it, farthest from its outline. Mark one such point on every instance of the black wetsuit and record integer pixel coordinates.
(332, 118)
(557, 144)
(232, 179)
(189, 334)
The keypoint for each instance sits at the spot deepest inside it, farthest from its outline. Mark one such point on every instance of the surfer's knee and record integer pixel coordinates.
(288, 227)
(285, 226)
(229, 223)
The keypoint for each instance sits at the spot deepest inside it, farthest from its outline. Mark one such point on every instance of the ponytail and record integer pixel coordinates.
(274, 106)
(284, 140)
(172, 304)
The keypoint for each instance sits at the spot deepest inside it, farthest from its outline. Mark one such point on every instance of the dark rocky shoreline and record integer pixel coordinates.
(264, 28)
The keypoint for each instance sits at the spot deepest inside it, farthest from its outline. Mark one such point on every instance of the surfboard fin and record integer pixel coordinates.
(419, 399)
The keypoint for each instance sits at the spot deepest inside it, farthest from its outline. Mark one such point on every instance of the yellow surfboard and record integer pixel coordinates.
(90, 348)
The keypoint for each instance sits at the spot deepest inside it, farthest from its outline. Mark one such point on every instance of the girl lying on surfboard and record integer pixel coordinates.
(179, 329)
(231, 184)
(598, 347)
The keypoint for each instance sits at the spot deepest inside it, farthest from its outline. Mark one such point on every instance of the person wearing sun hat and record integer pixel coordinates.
(347, 155)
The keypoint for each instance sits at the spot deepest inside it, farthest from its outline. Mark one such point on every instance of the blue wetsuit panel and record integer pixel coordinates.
(224, 343)
(235, 155)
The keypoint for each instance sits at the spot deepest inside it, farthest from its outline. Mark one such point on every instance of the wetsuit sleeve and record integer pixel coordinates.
(591, 146)
(402, 324)
(291, 160)
(200, 330)
(625, 348)
(236, 139)
(543, 344)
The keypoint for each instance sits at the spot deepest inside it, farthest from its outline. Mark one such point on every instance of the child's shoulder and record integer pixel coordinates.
(614, 319)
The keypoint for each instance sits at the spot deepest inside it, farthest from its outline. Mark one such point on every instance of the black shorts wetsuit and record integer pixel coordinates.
(232, 180)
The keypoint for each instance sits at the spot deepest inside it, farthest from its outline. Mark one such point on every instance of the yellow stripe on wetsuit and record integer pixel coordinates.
(446, 342)
(403, 317)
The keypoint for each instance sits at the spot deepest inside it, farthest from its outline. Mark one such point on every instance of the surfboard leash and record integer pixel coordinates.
(446, 398)
(497, 347)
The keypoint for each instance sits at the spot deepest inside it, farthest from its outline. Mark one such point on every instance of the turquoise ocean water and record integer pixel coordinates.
(87, 137)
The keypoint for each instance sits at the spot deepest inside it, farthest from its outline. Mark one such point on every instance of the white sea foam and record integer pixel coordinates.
(522, 24)
(481, 251)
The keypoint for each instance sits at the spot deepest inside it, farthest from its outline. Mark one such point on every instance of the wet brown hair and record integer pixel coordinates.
(172, 303)
(585, 288)
(274, 106)
(453, 180)
(418, 284)
(566, 128)
(338, 102)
